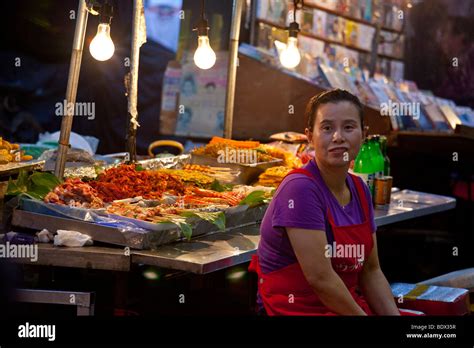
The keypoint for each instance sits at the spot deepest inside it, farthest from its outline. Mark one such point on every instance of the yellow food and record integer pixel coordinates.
(289, 160)
(190, 176)
(273, 176)
(10, 152)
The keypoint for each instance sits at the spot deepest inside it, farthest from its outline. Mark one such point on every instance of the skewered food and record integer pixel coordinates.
(233, 154)
(193, 177)
(289, 160)
(273, 176)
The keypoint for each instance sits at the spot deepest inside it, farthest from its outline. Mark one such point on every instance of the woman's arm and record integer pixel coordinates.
(375, 286)
(309, 247)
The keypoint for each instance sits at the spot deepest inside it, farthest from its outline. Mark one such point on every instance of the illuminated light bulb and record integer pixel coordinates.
(102, 47)
(290, 57)
(204, 57)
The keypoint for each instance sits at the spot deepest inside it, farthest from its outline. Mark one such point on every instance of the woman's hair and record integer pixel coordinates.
(331, 96)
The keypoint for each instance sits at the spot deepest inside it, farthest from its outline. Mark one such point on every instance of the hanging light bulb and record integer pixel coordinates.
(204, 57)
(102, 47)
(290, 56)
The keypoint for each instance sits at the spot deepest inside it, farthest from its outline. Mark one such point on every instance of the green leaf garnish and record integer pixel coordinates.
(255, 198)
(216, 218)
(217, 186)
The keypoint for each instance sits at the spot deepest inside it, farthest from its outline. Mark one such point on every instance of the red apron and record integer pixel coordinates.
(287, 292)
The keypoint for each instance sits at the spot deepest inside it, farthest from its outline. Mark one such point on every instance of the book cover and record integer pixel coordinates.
(450, 115)
(277, 11)
(366, 94)
(364, 39)
(437, 117)
(466, 115)
(202, 98)
(423, 120)
(307, 20)
(346, 58)
(351, 33)
(397, 70)
(335, 27)
(365, 8)
(354, 8)
(343, 7)
(310, 46)
(262, 9)
(264, 36)
(329, 4)
(329, 55)
(411, 113)
(319, 23)
(332, 76)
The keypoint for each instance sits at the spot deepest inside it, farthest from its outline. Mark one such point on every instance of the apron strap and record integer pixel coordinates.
(362, 196)
(359, 188)
(301, 171)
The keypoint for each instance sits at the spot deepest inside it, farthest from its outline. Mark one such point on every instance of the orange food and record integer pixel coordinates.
(75, 193)
(125, 181)
(246, 144)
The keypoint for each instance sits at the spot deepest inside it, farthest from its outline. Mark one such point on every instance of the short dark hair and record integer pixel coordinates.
(331, 96)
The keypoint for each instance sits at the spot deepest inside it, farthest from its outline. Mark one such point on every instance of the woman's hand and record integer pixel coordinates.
(375, 286)
(309, 247)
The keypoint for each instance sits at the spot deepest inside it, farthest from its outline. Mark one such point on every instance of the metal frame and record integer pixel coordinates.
(84, 301)
(232, 67)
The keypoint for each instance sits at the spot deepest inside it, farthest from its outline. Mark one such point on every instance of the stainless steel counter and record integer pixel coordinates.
(222, 249)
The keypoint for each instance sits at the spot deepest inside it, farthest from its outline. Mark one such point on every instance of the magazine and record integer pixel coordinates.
(329, 4)
(307, 22)
(202, 98)
(319, 23)
(397, 70)
(335, 28)
(364, 39)
(365, 8)
(351, 33)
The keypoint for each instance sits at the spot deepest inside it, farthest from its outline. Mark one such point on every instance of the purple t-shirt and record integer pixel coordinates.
(301, 202)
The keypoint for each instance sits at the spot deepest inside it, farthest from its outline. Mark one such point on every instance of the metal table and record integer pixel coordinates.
(221, 249)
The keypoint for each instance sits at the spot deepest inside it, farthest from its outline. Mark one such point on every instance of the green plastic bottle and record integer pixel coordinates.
(377, 156)
(383, 147)
(364, 166)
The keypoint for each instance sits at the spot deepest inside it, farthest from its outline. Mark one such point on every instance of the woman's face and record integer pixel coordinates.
(337, 134)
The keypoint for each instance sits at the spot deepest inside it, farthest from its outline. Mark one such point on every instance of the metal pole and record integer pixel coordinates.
(232, 67)
(71, 91)
(137, 40)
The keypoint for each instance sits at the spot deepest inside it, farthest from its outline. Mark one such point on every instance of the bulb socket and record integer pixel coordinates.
(202, 28)
(293, 29)
(106, 12)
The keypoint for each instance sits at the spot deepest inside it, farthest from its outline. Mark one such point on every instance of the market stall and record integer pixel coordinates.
(235, 120)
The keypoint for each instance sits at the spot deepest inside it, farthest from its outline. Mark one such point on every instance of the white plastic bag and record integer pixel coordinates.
(71, 239)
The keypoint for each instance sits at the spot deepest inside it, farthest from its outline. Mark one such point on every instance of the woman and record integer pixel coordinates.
(318, 251)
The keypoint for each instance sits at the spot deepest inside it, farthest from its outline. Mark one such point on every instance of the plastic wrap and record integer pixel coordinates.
(140, 234)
